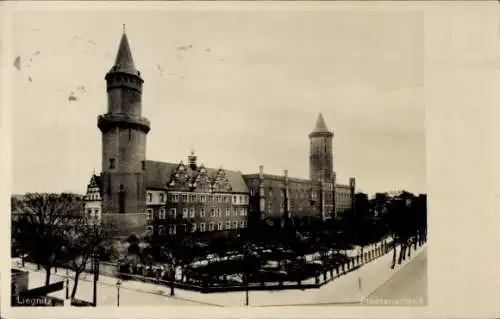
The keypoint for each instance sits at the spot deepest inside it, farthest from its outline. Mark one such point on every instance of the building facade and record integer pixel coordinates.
(134, 193)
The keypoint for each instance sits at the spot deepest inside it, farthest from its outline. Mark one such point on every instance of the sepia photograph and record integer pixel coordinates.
(218, 157)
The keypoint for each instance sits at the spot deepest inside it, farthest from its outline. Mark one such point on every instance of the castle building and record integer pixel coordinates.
(274, 196)
(131, 193)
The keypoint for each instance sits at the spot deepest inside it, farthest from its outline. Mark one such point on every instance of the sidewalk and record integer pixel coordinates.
(344, 289)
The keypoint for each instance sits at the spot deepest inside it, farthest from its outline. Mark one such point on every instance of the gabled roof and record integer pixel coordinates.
(158, 174)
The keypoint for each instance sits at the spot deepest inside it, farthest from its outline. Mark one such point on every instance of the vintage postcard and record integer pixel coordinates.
(216, 157)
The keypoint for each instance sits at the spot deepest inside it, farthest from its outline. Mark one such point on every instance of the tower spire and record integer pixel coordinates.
(124, 61)
(320, 126)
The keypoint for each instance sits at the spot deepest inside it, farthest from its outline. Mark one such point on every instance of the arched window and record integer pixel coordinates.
(121, 198)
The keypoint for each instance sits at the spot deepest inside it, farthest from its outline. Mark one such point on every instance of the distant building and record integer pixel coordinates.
(132, 192)
(320, 196)
(93, 201)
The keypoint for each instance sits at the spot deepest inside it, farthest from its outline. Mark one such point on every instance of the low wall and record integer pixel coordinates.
(19, 281)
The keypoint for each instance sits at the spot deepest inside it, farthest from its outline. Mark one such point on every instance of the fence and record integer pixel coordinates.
(321, 279)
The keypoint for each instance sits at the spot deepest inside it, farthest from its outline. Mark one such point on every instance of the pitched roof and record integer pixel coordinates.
(124, 61)
(158, 174)
(320, 126)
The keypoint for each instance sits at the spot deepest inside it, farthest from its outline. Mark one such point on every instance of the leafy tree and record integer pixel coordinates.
(362, 221)
(406, 219)
(42, 223)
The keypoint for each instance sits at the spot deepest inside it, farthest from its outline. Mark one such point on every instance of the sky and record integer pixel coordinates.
(242, 87)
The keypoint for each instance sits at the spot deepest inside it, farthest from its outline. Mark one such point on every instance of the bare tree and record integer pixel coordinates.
(41, 224)
(85, 241)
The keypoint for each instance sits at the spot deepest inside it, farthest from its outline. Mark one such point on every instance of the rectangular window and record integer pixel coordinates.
(212, 214)
(241, 199)
(161, 229)
(185, 213)
(219, 212)
(172, 229)
(211, 226)
(150, 213)
(149, 229)
(162, 197)
(245, 212)
(112, 163)
(185, 198)
(235, 225)
(228, 225)
(202, 212)
(176, 198)
(193, 228)
(242, 212)
(235, 211)
(192, 198)
(162, 213)
(89, 211)
(209, 198)
(270, 207)
(143, 165)
(202, 227)
(228, 211)
(173, 213)
(227, 199)
(242, 224)
(191, 212)
(150, 197)
(203, 198)
(235, 199)
(219, 226)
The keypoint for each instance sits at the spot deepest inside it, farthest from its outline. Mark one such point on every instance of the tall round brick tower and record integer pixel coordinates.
(124, 133)
(321, 152)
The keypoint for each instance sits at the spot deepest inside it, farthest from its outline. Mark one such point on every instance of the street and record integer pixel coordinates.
(407, 287)
(375, 279)
(107, 293)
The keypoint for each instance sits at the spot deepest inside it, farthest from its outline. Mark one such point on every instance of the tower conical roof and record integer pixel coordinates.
(320, 126)
(124, 61)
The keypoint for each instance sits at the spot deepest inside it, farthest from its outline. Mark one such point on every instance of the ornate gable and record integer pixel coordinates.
(202, 182)
(93, 190)
(220, 183)
(180, 178)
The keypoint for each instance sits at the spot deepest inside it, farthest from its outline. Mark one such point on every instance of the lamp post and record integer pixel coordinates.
(118, 284)
(96, 274)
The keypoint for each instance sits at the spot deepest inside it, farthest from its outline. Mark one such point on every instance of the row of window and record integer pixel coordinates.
(343, 195)
(202, 227)
(93, 212)
(112, 162)
(93, 197)
(199, 198)
(191, 212)
(300, 193)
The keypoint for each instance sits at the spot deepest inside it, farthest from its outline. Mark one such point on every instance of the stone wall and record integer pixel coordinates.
(19, 280)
